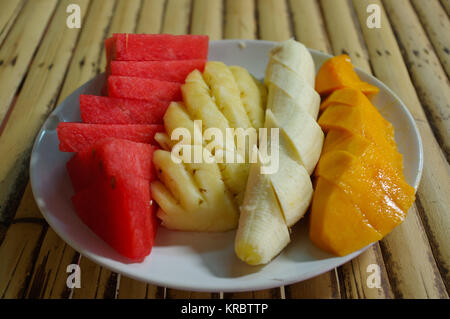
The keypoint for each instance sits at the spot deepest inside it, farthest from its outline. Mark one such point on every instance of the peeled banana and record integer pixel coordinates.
(274, 202)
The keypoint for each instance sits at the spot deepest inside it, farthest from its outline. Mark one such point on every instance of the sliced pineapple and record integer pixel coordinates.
(192, 196)
(252, 98)
(205, 196)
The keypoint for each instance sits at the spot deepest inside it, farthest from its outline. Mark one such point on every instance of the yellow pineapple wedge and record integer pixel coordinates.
(206, 196)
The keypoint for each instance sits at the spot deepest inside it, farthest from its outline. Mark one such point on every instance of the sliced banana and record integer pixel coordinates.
(292, 107)
(262, 232)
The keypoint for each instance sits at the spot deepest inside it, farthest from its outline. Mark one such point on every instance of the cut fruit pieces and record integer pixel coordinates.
(262, 231)
(370, 182)
(108, 110)
(158, 47)
(296, 57)
(250, 93)
(302, 132)
(307, 100)
(192, 196)
(336, 224)
(112, 184)
(108, 158)
(172, 71)
(76, 137)
(119, 212)
(226, 93)
(363, 120)
(337, 73)
(292, 185)
(143, 89)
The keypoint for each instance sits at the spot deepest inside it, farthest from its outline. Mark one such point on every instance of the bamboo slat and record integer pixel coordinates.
(207, 17)
(19, 47)
(433, 89)
(131, 289)
(176, 17)
(259, 294)
(431, 82)
(85, 61)
(90, 277)
(273, 20)
(8, 13)
(353, 276)
(35, 101)
(411, 267)
(151, 16)
(182, 294)
(325, 286)
(446, 5)
(308, 24)
(240, 19)
(19, 249)
(49, 276)
(155, 292)
(437, 24)
(124, 21)
(343, 32)
(83, 66)
(107, 285)
(339, 18)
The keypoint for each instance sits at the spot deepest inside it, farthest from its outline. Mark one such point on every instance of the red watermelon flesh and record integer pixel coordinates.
(79, 169)
(76, 137)
(119, 211)
(108, 158)
(143, 89)
(108, 110)
(172, 71)
(159, 47)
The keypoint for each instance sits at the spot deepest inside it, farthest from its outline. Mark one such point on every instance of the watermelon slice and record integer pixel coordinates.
(76, 137)
(112, 184)
(111, 157)
(119, 211)
(143, 89)
(172, 71)
(108, 110)
(158, 47)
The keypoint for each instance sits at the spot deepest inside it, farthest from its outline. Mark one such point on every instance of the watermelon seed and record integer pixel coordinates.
(113, 182)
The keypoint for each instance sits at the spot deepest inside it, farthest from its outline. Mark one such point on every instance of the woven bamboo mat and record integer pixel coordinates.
(42, 61)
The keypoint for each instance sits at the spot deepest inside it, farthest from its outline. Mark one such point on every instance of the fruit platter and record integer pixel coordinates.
(134, 171)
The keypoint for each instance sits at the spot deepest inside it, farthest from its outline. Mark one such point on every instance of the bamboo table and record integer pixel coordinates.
(42, 61)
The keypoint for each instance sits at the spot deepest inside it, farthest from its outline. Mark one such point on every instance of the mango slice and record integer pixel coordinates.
(363, 120)
(371, 183)
(360, 191)
(336, 224)
(337, 73)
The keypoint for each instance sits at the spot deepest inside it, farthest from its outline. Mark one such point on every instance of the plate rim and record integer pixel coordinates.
(266, 284)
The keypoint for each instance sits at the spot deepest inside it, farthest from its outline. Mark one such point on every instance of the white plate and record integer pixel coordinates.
(200, 261)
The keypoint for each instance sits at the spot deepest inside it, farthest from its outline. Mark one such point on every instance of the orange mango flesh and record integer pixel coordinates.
(337, 73)
(331, 210)
(360, 192)
(371, 184)
(366, 121)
